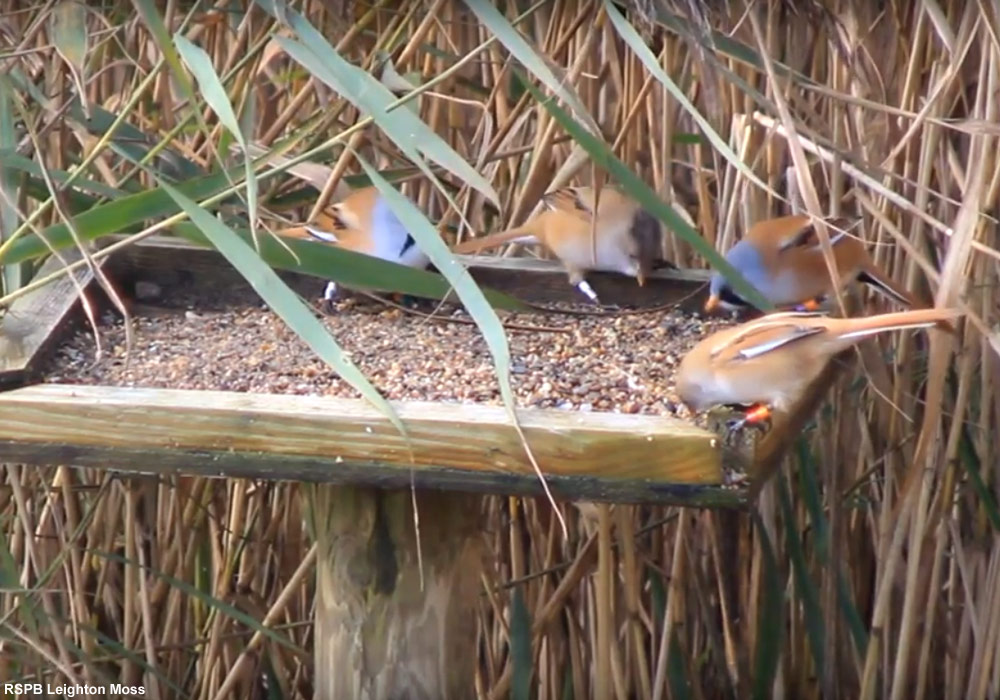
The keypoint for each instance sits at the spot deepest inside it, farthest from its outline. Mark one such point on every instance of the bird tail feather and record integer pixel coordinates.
(901, 320)
(885, 286)
(520, 234)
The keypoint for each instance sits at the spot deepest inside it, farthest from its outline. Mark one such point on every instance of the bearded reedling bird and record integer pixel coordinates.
(768, 363)
(363, 222)
(627, 239)
(783, 259)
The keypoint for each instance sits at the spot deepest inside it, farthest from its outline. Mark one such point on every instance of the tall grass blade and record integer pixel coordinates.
(220, 606)
(724, 44)
(644, 54)
(971, 464)
(115, 647)
(12, 276)
(135, 146)
(26, 607)
(771, 625)
(119, 216)
(283, 301)
(677, 676)
(505, 32)
(365, 92)
(520, 647)
(12, 160)
(809, 492)
(69, 37)
(815, 625)
(200, 65)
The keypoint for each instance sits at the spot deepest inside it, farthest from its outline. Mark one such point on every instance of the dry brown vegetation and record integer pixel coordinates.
(869, 566)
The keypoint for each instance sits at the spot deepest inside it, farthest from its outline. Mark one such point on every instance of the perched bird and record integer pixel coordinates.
(364, 223)
(768, 363)
(783, 259)
(627, 239)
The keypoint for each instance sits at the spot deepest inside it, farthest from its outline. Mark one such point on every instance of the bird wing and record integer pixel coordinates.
(580, 201)
(567, 200)
(804, 235)
(851, 256)
(765, 335)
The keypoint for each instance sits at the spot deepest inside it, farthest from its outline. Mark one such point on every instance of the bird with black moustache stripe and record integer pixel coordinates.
(767, 364)
(783, 259)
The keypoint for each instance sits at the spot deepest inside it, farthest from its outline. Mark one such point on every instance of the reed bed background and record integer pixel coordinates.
(869, 566)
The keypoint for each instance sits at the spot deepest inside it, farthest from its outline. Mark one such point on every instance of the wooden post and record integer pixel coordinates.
(382, 630)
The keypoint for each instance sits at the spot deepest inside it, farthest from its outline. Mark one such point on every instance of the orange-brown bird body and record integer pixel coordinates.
(626, 239)
(363, 222)
(770, 362)
(783, 259)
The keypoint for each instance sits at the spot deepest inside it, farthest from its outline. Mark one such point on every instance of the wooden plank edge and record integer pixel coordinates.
(533, 280)
(34, 323)
(227, 464)
(519, 264)
(541, 266)
(469, 437)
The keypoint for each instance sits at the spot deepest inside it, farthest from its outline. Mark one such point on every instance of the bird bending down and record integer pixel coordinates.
(627, 238)
(363, 222)
(768, 363)
(783, 259)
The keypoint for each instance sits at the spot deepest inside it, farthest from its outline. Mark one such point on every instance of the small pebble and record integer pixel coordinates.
(215, 334)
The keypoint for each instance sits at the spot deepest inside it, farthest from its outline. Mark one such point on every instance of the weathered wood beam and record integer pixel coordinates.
(591, 456)
(544, 281)
(34, 322)
(164, 258)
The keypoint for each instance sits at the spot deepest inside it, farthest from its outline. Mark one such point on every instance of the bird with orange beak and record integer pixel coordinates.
(363, 222)
(769, 363)
(626, 238)
(783, 259)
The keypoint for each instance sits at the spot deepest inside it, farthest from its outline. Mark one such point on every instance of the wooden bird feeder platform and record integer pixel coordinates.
(595, 456)
(365, 465)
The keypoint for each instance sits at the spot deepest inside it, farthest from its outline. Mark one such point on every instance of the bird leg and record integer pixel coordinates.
(588, 291)
(330, 295)
(577, 279)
